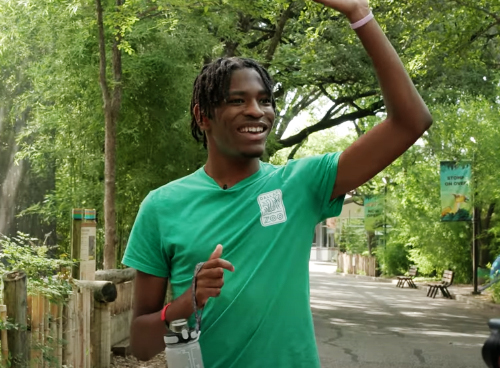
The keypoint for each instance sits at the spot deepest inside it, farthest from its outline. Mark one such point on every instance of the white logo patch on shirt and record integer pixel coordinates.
(272, 208)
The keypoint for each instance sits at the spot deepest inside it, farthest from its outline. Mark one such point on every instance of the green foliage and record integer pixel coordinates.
(49, 68)
(45, 275)
(393, 259)
(352, 237)
(433, 245)
(58, 95)
(494, 291)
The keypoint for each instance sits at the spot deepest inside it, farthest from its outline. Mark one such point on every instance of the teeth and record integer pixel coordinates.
(252, 129)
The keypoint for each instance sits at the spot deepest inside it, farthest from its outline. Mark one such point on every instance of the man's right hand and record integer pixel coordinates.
(210, 279)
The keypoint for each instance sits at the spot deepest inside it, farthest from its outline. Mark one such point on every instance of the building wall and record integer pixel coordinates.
(323, 247)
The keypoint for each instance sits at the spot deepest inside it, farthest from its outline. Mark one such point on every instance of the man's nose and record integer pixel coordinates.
(254, 109)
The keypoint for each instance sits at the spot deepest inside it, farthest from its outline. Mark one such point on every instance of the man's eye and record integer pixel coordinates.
(265, 101)
(236, 101)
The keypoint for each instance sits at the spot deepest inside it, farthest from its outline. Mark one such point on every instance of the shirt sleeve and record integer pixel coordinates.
(319, 174)
(144, 250)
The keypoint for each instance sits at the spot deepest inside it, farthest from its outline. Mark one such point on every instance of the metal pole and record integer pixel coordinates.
(474, 250)
(474, 220)
(385, 216)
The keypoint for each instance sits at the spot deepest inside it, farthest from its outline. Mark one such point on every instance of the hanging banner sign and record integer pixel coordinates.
(456, 198)
(374, 212)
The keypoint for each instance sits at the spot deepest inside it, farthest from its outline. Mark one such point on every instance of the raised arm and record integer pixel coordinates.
(407, 115)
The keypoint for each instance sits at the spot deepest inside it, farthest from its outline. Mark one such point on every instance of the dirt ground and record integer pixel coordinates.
(130, 362)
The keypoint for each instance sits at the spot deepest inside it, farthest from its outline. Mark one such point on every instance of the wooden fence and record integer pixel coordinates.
(356, 264)
(121, 317)
(78, 333)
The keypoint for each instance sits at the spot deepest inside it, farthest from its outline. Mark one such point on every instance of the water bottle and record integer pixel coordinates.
(182, 347)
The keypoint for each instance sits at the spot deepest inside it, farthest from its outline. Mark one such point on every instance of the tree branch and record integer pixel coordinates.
(359, 131)
(480, 8)
(481, 32)
(296, 149)
(326, 123)
(152, 15)
(257, 42)
(269, 31)
(303, 103)
(347, 99)
(147, 12)
(273, 45)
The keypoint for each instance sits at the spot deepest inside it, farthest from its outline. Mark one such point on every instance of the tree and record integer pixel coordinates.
(313, 55)
(64, 124)
(54, 50)
(112, 102)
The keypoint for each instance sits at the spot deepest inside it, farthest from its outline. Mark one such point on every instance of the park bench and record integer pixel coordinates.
(412, 272)
(446, 281)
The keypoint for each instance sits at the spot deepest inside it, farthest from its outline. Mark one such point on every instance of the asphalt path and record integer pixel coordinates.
(372, 324)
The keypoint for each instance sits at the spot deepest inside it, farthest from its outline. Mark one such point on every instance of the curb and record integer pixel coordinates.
(477, 303)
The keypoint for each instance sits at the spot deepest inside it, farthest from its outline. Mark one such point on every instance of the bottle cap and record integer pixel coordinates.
(179, 332)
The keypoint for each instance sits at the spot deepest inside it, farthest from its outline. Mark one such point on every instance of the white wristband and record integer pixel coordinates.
(362, 22)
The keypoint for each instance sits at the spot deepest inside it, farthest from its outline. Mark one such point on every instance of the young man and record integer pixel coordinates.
(253, 222)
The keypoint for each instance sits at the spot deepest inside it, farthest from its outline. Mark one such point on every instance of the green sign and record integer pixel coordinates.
(374, 212)
(456, 200)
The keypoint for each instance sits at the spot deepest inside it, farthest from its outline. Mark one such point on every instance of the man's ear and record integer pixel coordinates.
(202, 121)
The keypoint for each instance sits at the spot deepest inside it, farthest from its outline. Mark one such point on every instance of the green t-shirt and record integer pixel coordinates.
(265, 223)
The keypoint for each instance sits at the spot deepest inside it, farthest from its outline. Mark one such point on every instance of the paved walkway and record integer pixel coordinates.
(461, 293)
(365, 323)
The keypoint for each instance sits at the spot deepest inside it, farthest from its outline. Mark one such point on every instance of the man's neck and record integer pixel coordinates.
(228, 171)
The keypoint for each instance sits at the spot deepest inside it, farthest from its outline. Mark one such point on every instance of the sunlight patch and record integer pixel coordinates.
(379, 313)
(342, 322)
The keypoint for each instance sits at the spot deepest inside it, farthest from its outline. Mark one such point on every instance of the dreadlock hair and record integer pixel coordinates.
(211, 88)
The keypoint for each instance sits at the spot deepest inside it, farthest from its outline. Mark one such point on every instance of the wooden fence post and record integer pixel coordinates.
(46, 330)
(119, 312)
(5, 344)
(35, 331)
(60, 335)
(16, 300)
(68, 333)
(53, 331)
(101, 336)
(76, 233)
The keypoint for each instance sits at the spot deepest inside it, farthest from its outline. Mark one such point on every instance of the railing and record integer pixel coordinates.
(78, 332)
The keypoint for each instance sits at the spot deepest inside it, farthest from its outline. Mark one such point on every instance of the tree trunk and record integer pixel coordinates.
(370, 236)
(484, 237)
(109, 190)
(112, 105)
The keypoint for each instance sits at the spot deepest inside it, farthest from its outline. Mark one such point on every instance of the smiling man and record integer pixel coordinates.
(252, 223)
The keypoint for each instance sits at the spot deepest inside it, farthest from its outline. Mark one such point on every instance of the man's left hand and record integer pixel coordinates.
(354, 10)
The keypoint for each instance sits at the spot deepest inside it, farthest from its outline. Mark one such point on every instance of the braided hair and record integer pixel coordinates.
(211, 88)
